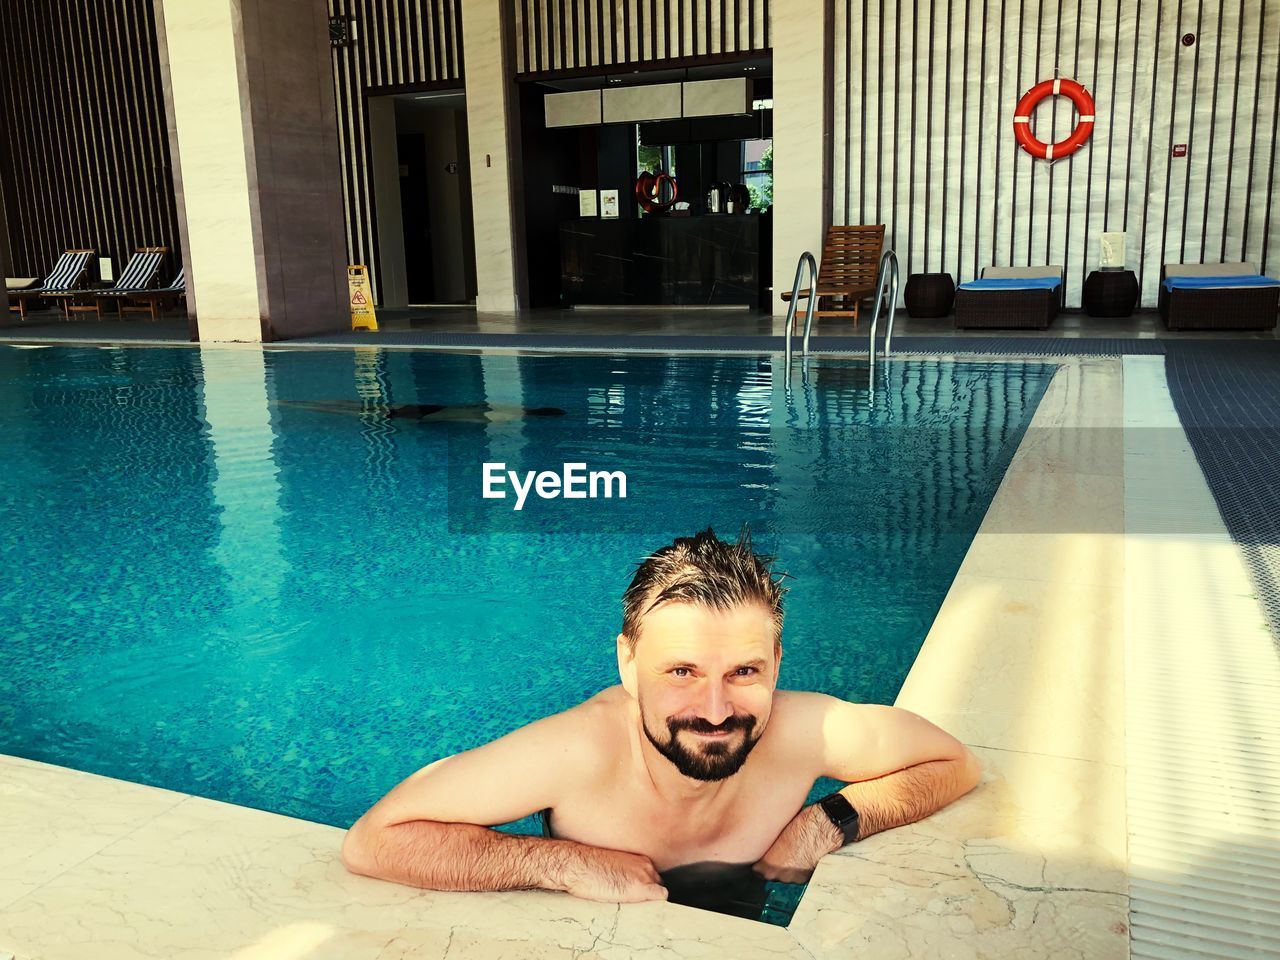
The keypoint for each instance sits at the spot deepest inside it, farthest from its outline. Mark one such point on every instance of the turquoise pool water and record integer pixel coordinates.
(259, 577)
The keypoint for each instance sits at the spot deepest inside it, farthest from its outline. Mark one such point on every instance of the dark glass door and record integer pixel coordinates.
(416, 211)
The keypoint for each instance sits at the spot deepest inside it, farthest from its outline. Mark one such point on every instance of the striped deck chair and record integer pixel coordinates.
(67, 275)
(149, 301)
(138, 276)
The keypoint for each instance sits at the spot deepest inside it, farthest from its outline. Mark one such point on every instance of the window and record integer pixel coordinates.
(757, 171)
(654, 159)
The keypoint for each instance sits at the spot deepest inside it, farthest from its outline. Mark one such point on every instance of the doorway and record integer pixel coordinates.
(422, 195)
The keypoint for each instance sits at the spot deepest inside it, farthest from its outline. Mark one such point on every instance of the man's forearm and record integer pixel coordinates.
(461, 856)
(892, 801)
(911, 794)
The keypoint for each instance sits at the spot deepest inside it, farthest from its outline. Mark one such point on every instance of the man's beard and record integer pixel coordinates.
(715, 760)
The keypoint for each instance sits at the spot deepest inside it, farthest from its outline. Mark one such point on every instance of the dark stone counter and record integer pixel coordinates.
(713, 259)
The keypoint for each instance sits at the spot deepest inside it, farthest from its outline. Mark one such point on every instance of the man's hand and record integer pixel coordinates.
(612, 876)
(808, 838)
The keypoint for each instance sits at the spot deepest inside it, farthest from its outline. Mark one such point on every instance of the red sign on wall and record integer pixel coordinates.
(1179, 149)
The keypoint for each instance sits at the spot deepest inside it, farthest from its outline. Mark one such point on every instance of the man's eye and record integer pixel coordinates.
(680, 672)
(746, 671)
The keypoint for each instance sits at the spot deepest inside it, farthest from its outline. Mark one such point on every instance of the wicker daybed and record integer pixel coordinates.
(1009, 307)
(1238, 299)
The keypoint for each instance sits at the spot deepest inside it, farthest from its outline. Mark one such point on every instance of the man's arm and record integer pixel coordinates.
(899, 768)
(432, 830)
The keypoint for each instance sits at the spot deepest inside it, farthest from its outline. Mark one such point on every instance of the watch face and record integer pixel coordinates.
(839, 809)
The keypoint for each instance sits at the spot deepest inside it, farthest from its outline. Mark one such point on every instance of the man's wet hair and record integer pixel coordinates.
(705, 570)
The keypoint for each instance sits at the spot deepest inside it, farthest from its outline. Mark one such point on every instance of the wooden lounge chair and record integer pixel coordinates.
(1019, 297)
(140, 271)
(847, 274)
(150, 301)
(67, 274)
(1220, 296)
(137, 279)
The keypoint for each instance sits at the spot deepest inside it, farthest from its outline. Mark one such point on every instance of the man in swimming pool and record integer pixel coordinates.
(695, 758)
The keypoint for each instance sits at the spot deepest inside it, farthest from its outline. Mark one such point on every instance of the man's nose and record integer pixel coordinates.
(716, 707)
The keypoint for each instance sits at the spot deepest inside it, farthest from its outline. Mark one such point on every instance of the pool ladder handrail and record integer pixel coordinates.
(789, 328)
(886, 277)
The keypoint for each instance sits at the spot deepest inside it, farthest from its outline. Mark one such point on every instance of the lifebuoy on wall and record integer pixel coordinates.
(1031, 99)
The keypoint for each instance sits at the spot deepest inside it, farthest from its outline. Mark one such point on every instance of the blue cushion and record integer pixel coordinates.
(1014, 283)
(1201, 282)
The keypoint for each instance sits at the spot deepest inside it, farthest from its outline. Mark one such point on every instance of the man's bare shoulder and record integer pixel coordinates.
(527, 770)
(802, 722)
(595, 730)
(800, 706)
(858, 741)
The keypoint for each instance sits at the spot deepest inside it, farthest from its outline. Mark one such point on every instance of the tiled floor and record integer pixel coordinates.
(50, 326)
(1201, 676)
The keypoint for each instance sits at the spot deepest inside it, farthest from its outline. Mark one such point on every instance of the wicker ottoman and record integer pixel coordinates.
(1005, 309)
(929, 294)
(1110, 293)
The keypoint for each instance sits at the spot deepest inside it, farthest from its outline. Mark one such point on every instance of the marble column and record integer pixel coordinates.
(493, 132)
(252, 123)
(800, 32)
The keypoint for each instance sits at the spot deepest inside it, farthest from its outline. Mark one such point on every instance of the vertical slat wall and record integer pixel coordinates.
(84, 148)
(925, 96)
(562, 35)
(398, 44)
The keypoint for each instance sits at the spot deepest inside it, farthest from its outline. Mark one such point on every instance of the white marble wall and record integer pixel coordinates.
(923, 139)
(491, 166)
(209, 125)
(796, 31)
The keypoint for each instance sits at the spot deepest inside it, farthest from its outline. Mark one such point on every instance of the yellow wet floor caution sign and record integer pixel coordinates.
(362, 315)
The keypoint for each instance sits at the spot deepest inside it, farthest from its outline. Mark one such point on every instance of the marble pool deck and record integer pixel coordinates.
(1026, 663)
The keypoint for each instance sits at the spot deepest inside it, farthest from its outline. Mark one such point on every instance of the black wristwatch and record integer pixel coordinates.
(842, 814)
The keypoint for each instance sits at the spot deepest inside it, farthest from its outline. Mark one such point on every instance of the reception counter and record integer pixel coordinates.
(660, 260)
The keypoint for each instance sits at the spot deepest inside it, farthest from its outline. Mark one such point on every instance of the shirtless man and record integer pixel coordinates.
(695, 758)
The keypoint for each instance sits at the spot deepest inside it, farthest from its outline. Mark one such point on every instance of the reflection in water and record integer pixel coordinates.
(246, 490)
(732, 888)
(480, 413)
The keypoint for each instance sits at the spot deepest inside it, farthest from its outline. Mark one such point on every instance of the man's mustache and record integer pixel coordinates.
(699, 725)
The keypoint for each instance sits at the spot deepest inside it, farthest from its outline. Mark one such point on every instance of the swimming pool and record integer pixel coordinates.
(237, 574)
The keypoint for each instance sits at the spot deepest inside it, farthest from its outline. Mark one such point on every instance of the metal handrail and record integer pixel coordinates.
(888, 275)
(788, 330)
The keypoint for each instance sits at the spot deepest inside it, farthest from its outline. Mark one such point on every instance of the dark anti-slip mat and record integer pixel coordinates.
(1227, 395)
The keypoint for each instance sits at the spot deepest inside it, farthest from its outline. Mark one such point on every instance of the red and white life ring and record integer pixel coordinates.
(1027, 105)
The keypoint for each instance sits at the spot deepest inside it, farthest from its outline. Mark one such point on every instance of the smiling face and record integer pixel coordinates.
(704, 680)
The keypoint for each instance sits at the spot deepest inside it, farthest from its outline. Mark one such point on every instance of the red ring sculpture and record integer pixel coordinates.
(649, 191)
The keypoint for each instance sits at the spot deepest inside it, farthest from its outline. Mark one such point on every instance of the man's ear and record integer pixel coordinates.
(627, 665)
(777, 664)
